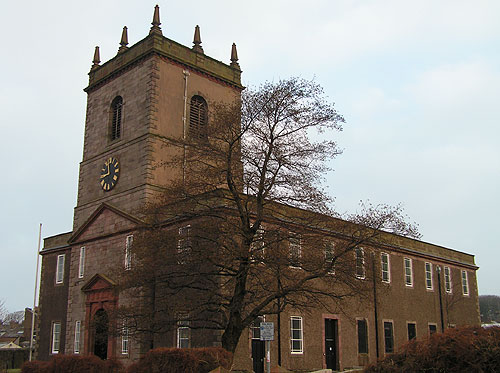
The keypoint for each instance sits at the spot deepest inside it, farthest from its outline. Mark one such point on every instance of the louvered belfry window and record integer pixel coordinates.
(116, 118)
(198, 117)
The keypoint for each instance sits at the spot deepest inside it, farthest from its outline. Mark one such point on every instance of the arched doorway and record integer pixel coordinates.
(101, 301)
(100, 325)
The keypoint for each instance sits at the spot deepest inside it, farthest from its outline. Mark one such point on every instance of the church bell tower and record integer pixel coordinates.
(140, 104)
(149, 94)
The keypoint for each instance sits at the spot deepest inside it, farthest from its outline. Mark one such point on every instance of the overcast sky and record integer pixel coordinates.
(417, 81)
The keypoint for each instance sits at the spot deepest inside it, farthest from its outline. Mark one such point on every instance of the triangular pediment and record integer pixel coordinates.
(106, 220)
(98, 282)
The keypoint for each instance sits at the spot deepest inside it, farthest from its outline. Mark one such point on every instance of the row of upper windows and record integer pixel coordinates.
(295, 252)
(258, 248)
(429, 276)
(81, 263)
(385, 269)
(198, 117)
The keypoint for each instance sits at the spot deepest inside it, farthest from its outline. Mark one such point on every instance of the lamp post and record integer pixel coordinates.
(34, 296)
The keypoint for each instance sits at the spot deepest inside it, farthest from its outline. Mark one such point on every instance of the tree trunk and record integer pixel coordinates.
(234, 326)
(231, 336)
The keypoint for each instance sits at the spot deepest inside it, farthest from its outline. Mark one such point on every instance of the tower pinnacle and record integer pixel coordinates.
(96, 60)
(197, 40)
(123, 41)
(155, 29)
(234, 57)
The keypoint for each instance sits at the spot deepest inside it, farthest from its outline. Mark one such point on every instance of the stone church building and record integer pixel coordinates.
(156, 90)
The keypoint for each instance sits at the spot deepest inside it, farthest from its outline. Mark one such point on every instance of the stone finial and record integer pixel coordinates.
(234, 57)
(97, 59)
(155, 29)
(197, 40)
(123, 41)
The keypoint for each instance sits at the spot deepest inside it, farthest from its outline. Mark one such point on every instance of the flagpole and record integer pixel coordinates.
(36, 288)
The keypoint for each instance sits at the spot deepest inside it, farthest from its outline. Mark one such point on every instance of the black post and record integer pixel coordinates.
(438, 269)
(279, 319)
(375, 310)
(279, 332)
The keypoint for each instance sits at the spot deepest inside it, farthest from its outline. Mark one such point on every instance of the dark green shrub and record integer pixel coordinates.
(471, 349)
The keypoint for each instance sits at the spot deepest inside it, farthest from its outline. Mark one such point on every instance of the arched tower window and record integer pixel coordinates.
(116, 118)
(198, 117)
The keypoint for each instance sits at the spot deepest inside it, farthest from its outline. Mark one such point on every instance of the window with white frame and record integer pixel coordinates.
(408, 272)
(81, 266)
(296, 341)
(385, 267)
(60, 269)
(360, 262)
(330, 255)
(125, 340)
(183, 331)
(184, 244)
(128, 252)
(78, 325)
(295, 249)
(447, 279)
(465, 283)
(56, 337)
(257, 248)
(428, 276)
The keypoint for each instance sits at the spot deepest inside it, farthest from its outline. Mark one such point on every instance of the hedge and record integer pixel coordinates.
(164, 360)
(186, 360)
(468, 349)
(73, 363)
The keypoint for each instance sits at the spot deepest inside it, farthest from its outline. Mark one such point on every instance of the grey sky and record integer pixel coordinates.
(418, 83)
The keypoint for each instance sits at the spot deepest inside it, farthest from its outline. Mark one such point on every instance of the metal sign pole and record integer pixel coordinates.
(268, 356)
(267, 335)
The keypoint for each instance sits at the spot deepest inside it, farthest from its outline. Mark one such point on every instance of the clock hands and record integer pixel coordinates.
(104, 175)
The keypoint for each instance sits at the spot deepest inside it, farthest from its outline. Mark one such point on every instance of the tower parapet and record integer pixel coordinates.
(156, 43)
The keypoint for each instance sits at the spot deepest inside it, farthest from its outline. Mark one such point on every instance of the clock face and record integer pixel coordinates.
(109, 173)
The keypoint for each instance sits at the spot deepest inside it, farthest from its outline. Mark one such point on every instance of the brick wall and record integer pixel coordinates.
(53, 302)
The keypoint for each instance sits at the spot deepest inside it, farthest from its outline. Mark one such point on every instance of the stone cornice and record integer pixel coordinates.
(162, 46)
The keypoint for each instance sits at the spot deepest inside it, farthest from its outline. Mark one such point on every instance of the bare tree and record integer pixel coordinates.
(489, 306)
(248, 230)
(16, 317)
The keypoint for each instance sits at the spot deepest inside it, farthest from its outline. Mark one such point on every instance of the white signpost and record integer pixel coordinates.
(267, 335)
